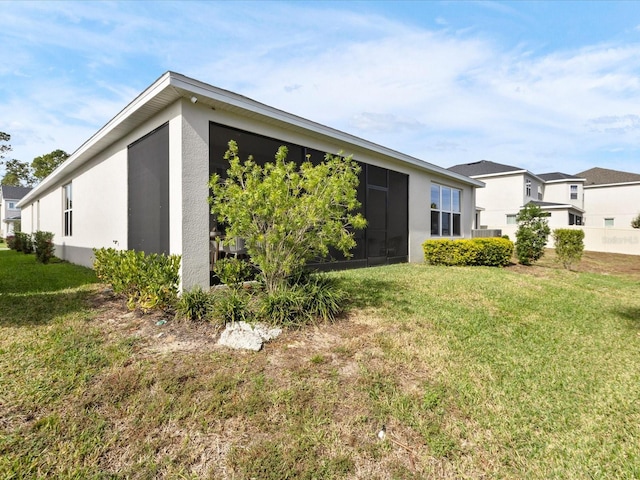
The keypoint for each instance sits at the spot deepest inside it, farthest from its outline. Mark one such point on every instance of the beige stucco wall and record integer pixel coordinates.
(620, 202)
(560, 192)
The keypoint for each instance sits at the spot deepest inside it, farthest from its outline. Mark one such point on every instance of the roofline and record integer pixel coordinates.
(566, 180)
(621, 184)
(185, 87)
(511, 172)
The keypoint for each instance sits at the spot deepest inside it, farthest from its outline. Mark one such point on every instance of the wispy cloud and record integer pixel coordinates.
(447, 95)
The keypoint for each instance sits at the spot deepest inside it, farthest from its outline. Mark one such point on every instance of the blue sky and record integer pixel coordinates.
(547, 86)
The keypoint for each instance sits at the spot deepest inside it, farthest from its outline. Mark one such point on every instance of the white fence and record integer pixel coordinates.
(597, 239)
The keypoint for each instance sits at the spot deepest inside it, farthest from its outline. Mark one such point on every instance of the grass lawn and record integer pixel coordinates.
(475, 373)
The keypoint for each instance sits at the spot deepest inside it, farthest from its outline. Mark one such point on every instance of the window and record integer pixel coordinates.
(12, 206)
(445, 211)
(574, 192)
(608, 222)
(575, 219)
(539, 192)
(527, 187)
(68, 210)
(511, 219)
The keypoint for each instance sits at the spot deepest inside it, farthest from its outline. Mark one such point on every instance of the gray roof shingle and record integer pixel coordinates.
(9, 192)
(549, 177)
(605, 176)
(483, 167)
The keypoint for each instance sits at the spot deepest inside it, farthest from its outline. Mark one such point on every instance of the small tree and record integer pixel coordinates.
(288, 215)
(532, 233)
(569, 245)
(45, 164)
(635, 223)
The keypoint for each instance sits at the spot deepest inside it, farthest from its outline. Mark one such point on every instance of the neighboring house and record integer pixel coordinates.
(509, 188)
(9, 209)
(611, 197)
(141, 182)
(601, 202)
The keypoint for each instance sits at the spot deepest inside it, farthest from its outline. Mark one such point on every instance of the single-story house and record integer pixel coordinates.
(10, 214)
(141, 181)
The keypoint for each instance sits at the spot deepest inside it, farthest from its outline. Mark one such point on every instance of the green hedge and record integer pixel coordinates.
(493, 252)
(148, 281)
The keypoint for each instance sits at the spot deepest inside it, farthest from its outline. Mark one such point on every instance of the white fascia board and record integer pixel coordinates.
(500, 174)
(623, 184)
(567, 180)
(83, 153)
(181, 86)
(196, 88)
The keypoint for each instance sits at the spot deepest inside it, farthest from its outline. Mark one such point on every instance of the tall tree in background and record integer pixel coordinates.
(45, 164)
(4, 137)
(17, 174)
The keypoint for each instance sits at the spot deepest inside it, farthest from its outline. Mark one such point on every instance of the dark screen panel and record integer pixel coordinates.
(398, 225)
(148, 192)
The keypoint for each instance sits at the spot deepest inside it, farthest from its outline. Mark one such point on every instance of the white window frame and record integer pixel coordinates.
(67, 209)
(11, 205)
(446, 210)
(511, 219)
(527, 187)
(609, 222)
(573, 195)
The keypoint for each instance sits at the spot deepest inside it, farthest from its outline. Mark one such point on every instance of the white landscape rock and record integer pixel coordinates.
(243, 335)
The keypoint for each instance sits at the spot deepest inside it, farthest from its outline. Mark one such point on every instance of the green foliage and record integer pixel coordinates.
(4, 137)
(195, 304)
(23, 242)
(45, 164)
(569, 245)
(148, 281)
(232, 305)
(43, 245)
(301, 303)
(532, 233)
(17, 174)
(635, 223)
(493, 252)
(233, 271)
(11, 242)
(286, 214)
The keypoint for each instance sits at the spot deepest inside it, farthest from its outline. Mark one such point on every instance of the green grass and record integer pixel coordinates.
(475, 372)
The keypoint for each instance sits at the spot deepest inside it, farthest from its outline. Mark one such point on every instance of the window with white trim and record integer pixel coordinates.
(446, 217)
(608, 222)
(539, 192)
(527, 187)
(511, 219)
(67, 199)
(574, 192)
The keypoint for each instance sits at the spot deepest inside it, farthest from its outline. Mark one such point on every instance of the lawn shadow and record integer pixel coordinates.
(40, 308)
(367, 292)
(631, 314)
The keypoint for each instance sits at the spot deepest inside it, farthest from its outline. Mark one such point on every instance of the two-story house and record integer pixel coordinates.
(9, 210)
(611, 197)
(509, 188)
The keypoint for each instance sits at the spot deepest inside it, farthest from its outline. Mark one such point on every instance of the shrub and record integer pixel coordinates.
(532, 233)
(635, 223)
(569, 246)
(43, 244)
(148, 281)
(232, 305)
(495, 252)
(300, 303)
(11, 242)
(233, 271)
(24, 243)
(195, 304)
(450, 252)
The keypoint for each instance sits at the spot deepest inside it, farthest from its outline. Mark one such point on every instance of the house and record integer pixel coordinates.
(601, 202)
(141, 181)
(509, 188)
(611, 197)
(9, 209)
